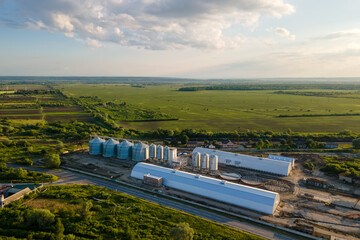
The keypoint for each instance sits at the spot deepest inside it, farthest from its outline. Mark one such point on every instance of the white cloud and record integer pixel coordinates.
(282, 32)
(351, 34)
(150, 24)
(93, 43)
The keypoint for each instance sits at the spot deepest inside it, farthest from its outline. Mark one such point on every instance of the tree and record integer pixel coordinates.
(40, 218)
(184, 139)
(52, 161)
(85, 210)
(59, 229)
(182, 231)
(356, 143)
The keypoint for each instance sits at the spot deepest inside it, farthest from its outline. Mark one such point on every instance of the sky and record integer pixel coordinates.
(180, 38)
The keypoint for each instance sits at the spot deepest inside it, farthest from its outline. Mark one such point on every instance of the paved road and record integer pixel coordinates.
(68, 177)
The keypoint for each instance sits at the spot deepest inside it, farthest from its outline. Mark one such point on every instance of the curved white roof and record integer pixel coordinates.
(236, 194)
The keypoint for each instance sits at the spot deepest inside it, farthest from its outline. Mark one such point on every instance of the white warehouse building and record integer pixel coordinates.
(285, 159)
(212, 188)
(250, 162)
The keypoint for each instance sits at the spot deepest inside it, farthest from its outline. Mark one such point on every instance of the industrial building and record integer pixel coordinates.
(250, 162)
(124, 150)
(95, 146)
(285, 159)
(212, 188)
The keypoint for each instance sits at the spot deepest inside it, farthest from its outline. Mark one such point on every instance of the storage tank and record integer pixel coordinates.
(95, 146)
(214, 162)
(160, 152)
(172, 155)
(205, 161)
(196, 156)
(140, 152)
(166, 154)
(109, 148)
(124, 150)
(152, 151)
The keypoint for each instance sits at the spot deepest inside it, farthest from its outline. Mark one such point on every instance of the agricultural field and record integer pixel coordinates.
(308, 110)
(39, 105)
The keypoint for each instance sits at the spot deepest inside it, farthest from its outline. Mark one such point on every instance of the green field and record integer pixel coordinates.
(218, 110)
(89, 212)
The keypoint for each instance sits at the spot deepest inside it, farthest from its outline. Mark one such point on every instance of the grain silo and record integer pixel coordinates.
(95, 146)
(196, 156)
(140, 152)
(152, 151)
(159, 152)
(124, 150)
(172, 155)
(214, 162)
(204, 161)
(166, 153)
(109, 148)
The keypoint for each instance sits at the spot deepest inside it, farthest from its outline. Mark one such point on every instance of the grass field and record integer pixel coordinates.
(232, 110)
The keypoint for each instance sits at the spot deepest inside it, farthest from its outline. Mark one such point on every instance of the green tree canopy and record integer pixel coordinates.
(182, 231)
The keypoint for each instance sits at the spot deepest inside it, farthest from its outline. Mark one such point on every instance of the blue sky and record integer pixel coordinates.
(188, 38)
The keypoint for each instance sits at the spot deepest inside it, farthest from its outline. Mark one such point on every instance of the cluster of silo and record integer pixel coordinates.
(204, 161)
(140, 152)
(96, 145)
(124, 150)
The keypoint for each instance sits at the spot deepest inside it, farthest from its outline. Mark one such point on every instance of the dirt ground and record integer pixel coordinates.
(335, 212)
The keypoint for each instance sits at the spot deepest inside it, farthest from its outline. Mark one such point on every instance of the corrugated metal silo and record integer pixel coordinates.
(152, 151)
(205, 161)
(166, 153)
(214, 162)
(172, 155)
(160, 152)
(196, 156)
(124, 150)
(140, 152)
(109, 148)
(95, 146)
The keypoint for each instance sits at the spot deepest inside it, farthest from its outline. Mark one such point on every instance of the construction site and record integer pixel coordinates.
(272, 188)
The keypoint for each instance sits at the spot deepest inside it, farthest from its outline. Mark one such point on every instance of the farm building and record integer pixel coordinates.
(220, 190)
(249, 162)
(285, 159)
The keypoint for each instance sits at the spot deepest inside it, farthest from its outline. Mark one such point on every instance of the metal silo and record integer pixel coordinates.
(166, 153)
(109, 148)
(160, 152)
(172, 155)
(214, 162)
(196, 156)
(124, 150)
(95, 146)
(204, 161)
(152, 151)
(140, 152)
